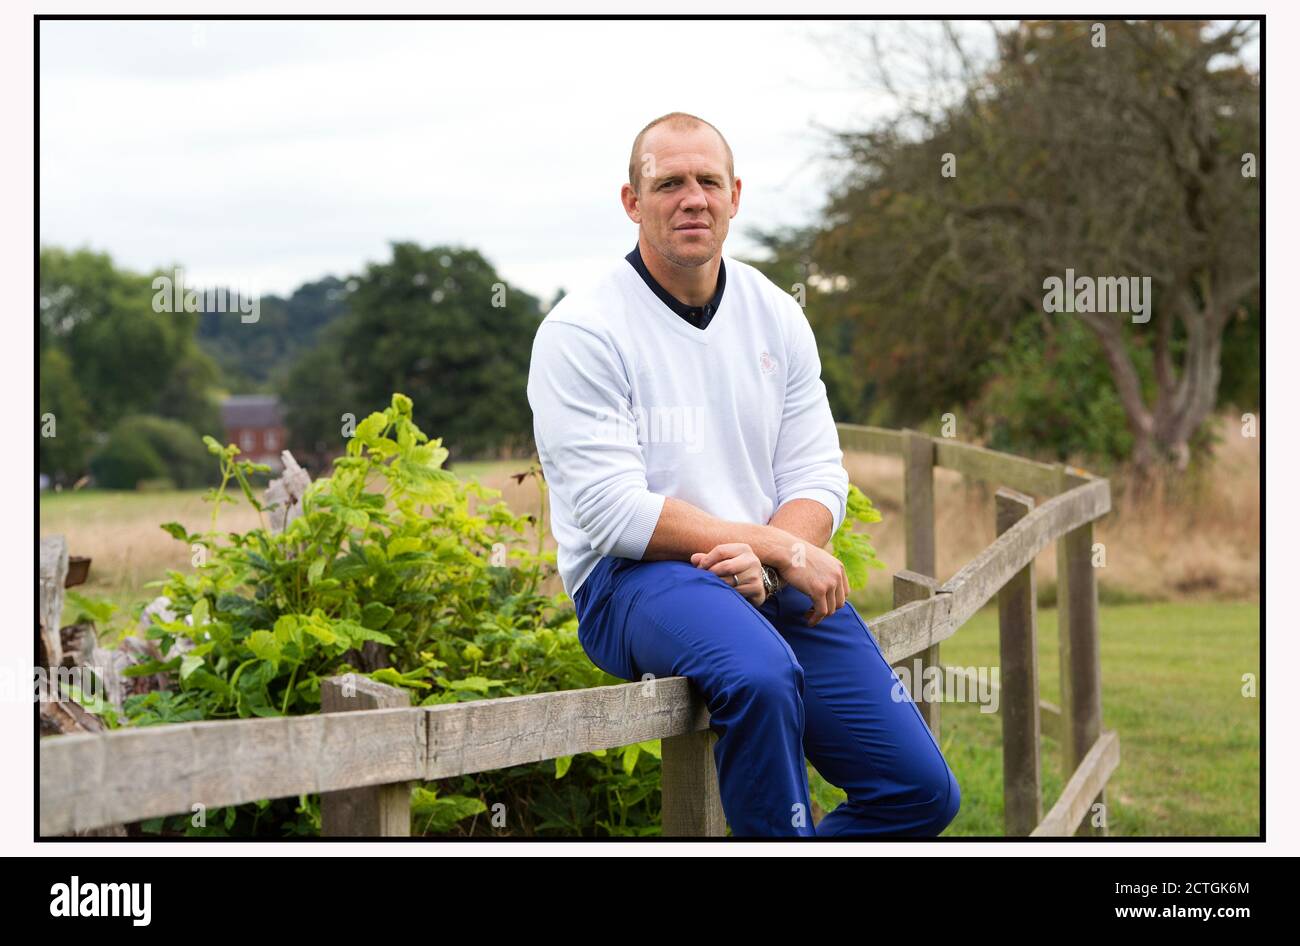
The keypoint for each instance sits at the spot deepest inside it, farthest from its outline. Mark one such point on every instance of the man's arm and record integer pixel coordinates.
(806, 519)
(808, 463)
(684, 529)
(581, 398)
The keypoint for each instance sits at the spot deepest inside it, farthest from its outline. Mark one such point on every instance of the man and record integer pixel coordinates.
(695, 477)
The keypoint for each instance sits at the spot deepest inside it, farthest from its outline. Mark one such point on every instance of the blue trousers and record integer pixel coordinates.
(776, 690)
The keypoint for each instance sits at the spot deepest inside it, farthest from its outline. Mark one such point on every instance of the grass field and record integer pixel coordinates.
(1171, 687)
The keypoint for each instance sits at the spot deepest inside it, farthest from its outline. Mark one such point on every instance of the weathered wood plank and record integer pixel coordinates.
(878, 440)
(1075, 804)
(382, 811)
(999, 469)
(913, 628)
(126, 775)
(53, 575)
(908, 587)
(979, 580)
(692, 800)
(1018, 700)
(918, 502)
(1080, 640)
(496, 734)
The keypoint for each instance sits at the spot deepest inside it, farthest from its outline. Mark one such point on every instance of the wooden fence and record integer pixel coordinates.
(368, 743)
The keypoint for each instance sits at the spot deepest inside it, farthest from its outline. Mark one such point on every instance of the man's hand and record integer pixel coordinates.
(819, 575)
(735, 563)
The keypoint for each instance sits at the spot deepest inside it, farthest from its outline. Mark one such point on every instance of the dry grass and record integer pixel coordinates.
(120, 532)
(1198, 539)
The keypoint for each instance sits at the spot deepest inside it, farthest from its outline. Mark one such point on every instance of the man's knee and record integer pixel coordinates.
(946, 794)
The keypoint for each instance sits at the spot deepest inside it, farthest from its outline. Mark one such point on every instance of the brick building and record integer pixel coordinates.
(255, 423)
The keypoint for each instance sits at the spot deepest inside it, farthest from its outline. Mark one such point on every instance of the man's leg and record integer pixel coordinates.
(857, 735)
(669, 618)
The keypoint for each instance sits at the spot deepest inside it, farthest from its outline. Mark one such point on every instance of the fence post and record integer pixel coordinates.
(909, 587)
(1018, 649)
(379, 811)
(53, 574)
(918, 501)
(918, 519)
(1080, 646)
(692, 802)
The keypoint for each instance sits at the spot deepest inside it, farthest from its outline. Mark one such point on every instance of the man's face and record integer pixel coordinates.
(686, 201)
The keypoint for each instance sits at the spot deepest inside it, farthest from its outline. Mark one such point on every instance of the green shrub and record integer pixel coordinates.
(147, 448)
(1052, 395)
(126, 459)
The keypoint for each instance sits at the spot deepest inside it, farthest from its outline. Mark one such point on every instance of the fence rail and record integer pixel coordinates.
(365, 746)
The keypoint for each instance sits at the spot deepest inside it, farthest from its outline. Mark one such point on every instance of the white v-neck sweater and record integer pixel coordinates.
(631, 404)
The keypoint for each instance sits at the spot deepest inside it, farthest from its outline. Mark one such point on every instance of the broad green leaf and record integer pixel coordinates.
(321, 632)
(476, 684)
(403, 544)
(176, 530)
(264, 644)
(376, 615)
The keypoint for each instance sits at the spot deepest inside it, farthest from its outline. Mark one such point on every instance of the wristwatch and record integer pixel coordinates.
(771, 580)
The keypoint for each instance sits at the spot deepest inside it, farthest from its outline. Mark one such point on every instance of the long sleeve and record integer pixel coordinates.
(581, 400)
(808, 462)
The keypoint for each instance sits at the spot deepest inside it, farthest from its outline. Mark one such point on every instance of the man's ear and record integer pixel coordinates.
(631, 203)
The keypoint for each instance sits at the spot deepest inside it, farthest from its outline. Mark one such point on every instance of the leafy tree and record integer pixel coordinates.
(65, 435)
(441, 324)
(127, 358)
(258, 354)
(1058, 154)
(317, 394)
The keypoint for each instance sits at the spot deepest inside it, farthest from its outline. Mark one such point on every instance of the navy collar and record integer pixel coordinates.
(698, 315)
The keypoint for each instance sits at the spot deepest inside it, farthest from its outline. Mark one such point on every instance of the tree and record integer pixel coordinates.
(440, 325)
(258, 354)
(65, 430)
(126, 357)
(317, 395)
(1111, 161)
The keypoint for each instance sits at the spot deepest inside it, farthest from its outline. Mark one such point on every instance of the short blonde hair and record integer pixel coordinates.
(678, 120)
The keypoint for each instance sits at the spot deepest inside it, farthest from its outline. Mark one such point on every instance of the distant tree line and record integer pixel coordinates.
(126, 392)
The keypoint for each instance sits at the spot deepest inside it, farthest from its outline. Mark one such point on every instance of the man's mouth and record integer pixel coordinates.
(693, 226)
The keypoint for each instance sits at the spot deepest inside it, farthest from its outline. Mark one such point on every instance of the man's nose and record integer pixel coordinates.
(694, 197)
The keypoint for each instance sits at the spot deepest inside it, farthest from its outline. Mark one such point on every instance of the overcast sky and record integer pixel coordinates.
(265, 154)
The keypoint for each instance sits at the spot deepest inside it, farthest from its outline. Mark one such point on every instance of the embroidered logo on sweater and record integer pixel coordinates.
(767, 363)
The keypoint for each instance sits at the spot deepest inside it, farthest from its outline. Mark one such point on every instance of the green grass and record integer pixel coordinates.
(1172, 690)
